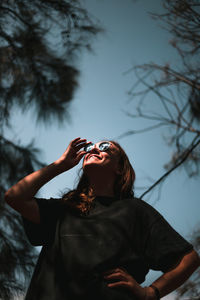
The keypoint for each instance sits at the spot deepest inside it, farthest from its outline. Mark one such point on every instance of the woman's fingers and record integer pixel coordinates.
(75, 140)
(76, 145)
(119, 277)
(116, 276)
(117, 270)
(119, 284)
(117, 280)
(79, 143)
(72, 154)
(80, 155)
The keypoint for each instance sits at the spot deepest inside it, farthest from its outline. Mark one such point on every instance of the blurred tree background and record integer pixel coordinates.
(176, 102)
(40, 45)
(39, 42)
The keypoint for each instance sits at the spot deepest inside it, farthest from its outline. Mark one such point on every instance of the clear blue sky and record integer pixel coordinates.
(131, 37)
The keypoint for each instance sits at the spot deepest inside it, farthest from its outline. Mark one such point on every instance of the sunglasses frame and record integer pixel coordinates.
(99, 145)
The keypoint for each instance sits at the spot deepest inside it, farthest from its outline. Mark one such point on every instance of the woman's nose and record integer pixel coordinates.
(95, 150)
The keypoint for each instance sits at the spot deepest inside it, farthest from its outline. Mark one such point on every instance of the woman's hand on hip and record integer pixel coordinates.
(119, 277)
(73, 154)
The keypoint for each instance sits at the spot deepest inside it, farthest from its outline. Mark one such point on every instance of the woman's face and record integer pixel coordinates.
(105, 161)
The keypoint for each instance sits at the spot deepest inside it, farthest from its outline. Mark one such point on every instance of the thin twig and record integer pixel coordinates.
(185, 156)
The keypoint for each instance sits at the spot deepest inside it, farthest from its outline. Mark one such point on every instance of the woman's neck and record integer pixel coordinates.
(102, 187)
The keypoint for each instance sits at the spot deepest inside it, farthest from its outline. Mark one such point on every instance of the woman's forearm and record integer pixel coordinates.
(174, 278)
(27, 187)
(21, 195)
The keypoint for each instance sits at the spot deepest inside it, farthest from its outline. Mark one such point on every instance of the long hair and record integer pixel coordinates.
(81, 198)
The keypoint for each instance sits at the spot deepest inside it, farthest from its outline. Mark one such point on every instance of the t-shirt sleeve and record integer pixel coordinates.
(164, 246)
(43, 233)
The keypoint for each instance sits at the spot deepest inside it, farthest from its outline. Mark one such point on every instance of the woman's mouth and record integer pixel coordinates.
(94, 155)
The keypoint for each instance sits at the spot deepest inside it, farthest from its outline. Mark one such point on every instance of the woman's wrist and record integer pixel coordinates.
(61, 165)
(150, 293)
(145, 293)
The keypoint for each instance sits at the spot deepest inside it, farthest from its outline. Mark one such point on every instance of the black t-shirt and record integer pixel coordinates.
(77, 249)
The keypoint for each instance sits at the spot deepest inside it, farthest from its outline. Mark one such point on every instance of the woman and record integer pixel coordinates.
(98, 241)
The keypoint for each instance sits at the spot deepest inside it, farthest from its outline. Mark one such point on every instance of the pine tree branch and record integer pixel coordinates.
(194, 144)
(11, 11)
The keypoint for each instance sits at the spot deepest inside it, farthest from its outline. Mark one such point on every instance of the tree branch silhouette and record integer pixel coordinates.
(181, 160)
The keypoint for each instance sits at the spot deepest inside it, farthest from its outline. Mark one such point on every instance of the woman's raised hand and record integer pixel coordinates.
(73, 154)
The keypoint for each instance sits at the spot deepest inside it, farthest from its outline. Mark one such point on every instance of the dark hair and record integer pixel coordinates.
(81, 198)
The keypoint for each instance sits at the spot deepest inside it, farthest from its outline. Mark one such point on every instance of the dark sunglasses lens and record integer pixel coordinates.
(88, 147)
(104, 146)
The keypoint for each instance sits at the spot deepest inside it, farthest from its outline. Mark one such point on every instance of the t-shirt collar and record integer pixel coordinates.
(105, 200)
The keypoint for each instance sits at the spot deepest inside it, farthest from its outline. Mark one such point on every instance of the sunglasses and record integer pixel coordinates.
(102, 146)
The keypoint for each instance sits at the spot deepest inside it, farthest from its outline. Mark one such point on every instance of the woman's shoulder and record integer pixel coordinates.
(49, 202)
(50, 208)
(143, 209)
(137, 203)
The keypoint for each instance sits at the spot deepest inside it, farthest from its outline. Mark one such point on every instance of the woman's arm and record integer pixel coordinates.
(20, 196)
(166, 283)
(175, 277)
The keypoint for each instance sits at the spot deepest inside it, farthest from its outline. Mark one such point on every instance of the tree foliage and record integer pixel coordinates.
(175, 88)
(40, 42)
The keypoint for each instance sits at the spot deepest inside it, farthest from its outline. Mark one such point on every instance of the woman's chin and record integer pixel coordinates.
(91, 166)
